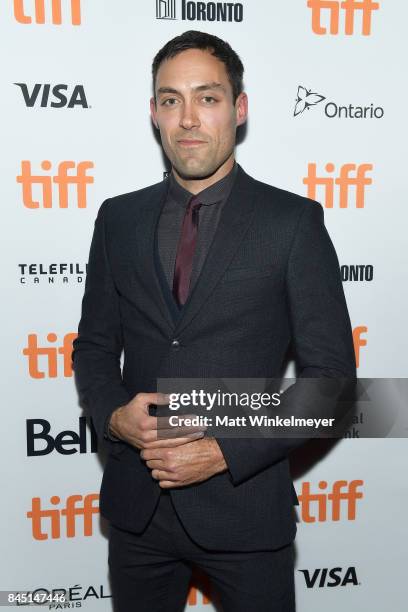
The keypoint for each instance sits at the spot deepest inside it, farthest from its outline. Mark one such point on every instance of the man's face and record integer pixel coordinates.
(195, 113)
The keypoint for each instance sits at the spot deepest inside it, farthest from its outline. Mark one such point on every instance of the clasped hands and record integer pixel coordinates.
(174, 461)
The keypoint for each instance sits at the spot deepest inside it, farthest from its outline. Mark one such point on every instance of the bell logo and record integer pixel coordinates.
(349, 7)
(76, 505)
(359, 341)
(43, 6)
(40, 442)
(79, 178)
(331, 501)
(344, 181)
(32, 351)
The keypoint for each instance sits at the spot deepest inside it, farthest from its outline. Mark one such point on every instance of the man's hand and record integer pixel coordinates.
(133, 424)
(187, 464)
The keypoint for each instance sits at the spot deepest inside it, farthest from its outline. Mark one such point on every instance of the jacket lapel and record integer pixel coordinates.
(145, 242)
(233, 224)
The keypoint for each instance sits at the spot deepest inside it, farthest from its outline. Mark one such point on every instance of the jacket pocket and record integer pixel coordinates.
(237, 274)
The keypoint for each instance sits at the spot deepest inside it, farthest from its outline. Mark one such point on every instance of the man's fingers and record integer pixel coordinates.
(148, 423)
(176, 432)
(168, 484)
(163, 475)
(172, 442)
(160, 399)
(156, 450)
(180, 429)
(155, 464)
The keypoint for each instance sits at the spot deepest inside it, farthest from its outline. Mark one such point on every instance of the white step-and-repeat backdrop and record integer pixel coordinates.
(326, 81)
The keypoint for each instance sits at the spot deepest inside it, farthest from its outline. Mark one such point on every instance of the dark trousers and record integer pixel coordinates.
(150, 572)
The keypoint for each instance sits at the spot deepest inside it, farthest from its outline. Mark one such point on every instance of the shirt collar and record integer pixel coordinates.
(210, 195)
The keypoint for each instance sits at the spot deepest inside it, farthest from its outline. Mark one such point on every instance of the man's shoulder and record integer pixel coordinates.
(134, 198)
(282, 199)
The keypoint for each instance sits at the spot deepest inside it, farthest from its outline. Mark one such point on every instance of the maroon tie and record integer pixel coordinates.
(185, 252)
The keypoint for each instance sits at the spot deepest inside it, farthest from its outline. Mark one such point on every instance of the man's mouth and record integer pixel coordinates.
(190, 142)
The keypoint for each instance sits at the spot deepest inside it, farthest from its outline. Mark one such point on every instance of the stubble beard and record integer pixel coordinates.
(195, 168)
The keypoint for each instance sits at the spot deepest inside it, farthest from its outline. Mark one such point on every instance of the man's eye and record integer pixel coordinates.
(209, 99)
(169, 102)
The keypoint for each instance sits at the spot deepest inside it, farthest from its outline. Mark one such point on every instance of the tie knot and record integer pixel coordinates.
(193, 207)
(194, 203)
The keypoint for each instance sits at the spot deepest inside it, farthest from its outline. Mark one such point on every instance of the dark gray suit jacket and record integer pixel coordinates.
(271, 282)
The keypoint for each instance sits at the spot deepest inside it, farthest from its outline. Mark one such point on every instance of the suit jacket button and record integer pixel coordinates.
(175, 345)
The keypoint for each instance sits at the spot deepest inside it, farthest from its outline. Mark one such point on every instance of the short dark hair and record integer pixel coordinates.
(194, 39)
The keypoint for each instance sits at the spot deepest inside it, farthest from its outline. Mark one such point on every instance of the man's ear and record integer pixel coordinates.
(241, 107)
(153, 112)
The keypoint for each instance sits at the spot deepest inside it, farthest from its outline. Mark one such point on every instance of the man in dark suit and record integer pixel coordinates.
(208, 274)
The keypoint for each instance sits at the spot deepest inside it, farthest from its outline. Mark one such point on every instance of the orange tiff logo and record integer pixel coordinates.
(317, 506)
(359, 341)
(332, 8)
(33, 352)
(78, 178)
(47, 523)
(196, 597)
(200, 589)
(344, 181)
(41, 7)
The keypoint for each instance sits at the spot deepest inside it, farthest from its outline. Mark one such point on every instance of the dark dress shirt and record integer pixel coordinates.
(213, 199)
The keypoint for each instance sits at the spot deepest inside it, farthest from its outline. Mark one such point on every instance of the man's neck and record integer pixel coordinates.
(197, 185)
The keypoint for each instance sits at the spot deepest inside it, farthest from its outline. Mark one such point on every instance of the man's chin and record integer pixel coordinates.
(194, 171)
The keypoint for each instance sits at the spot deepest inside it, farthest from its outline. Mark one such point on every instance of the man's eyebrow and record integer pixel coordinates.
(204, 87)
(212, 85)
(163, 90)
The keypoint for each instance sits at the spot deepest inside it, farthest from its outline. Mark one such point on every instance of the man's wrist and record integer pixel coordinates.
(113, 428)
(219, 459)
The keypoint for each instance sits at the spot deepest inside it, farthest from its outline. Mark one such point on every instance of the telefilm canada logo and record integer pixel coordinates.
(47, 95)
(188, 10)
(307, 99)
(62, 273)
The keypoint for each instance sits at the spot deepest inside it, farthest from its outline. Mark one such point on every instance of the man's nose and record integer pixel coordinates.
(189, 117)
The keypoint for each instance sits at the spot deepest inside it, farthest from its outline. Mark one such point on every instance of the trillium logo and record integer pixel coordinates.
(305, 99)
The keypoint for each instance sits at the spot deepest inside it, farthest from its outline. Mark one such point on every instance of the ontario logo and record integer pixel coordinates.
(306, 99)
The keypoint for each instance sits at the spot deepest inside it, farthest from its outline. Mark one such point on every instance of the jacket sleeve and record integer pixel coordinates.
(98, 346)
(321, 339)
